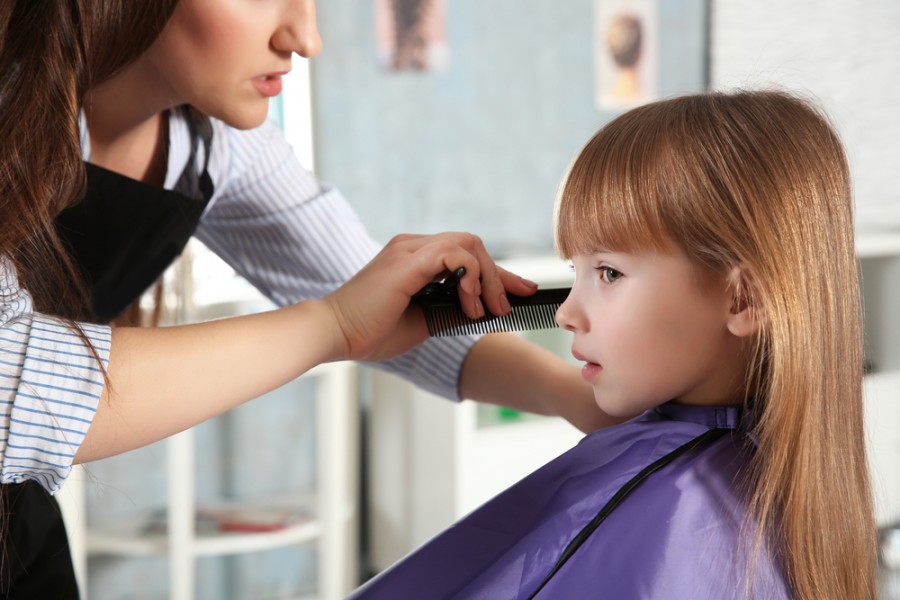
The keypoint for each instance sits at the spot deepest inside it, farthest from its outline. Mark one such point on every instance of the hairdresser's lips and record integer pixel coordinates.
(590, 370)
(268, 85)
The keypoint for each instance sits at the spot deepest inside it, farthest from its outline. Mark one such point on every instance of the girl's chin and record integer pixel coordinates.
(619, 410)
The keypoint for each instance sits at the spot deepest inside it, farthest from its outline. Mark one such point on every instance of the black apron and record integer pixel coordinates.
(122, 235)
(125, 233)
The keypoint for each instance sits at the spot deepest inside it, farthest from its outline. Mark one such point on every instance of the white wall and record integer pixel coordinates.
(846, 52)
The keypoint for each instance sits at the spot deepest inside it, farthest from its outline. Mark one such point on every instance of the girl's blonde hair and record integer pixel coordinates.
(758, 180)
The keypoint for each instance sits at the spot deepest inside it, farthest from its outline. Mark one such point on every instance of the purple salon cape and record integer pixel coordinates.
(680, 534)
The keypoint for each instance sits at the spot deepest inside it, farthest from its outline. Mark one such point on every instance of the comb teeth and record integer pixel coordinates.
(445, 317)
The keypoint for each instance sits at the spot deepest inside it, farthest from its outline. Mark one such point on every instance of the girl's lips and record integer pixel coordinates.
(590, 371)
(268, 85)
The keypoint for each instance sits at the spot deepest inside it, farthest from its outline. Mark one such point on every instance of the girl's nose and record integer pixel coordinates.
(567, 316)
(299, 32)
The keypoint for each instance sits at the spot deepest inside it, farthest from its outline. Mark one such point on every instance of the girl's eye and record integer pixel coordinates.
(608, 274)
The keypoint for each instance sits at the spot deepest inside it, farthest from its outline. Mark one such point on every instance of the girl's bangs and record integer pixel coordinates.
(614, 197)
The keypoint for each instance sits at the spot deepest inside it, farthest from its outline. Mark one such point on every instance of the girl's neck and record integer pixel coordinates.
(127, 121)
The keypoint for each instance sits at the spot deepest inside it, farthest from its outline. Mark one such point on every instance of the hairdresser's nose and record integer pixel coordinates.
(568, 316)
(298, 31)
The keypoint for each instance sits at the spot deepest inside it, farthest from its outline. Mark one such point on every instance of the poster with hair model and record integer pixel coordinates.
(626, 49)
(411, 34)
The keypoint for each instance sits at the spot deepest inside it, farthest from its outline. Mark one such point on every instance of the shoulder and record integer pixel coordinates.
(700, 493)
(685, 532)
(694, 512)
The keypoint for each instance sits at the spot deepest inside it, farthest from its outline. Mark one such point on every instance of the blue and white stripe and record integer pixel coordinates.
(50, 384)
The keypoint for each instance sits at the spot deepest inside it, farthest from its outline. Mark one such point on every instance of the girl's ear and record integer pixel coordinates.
(746, 316)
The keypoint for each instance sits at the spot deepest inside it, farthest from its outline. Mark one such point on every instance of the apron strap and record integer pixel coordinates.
(189, 183)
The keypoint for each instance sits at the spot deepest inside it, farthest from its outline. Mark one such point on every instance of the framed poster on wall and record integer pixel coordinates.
(626, 53)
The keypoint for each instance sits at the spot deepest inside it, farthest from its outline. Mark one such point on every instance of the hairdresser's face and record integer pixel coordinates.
(649, 330)
(226, 57)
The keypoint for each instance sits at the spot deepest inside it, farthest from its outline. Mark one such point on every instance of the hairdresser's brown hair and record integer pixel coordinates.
(51, 53)
(758, 180)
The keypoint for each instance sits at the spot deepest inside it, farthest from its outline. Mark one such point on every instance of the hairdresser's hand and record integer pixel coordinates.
(373, 311)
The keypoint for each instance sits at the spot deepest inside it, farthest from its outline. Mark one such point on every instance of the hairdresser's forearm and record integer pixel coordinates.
(505, 369)
(165, 380)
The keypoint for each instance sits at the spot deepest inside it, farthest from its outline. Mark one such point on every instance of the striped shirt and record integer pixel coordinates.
(270, 219)
(50, 383)
(292, 237)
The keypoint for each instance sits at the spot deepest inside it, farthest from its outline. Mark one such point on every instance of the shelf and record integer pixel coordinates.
(125, 541)
(875, 244)
(130, 536)
(548, 270)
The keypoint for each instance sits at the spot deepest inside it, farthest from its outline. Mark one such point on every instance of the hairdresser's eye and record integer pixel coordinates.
(608, 274)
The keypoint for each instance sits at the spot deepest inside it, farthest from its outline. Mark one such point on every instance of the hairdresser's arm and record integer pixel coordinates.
(162, 381)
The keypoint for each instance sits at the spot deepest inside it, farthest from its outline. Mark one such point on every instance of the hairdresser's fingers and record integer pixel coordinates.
(497, 282)
(458, 253)
(373, 308)
(516, 284)
(490, 282)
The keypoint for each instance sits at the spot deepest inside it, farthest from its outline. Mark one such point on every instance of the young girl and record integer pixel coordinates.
(145, 121)
(716, 303)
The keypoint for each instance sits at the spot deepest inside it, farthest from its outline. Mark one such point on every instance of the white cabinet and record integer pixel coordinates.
(880, 271)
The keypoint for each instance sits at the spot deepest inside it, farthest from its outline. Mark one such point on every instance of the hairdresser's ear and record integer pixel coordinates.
(746, 316)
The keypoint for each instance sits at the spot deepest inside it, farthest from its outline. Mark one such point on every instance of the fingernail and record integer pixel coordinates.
(479, 308)
(504, 303)
(478, 288)
(528, 282)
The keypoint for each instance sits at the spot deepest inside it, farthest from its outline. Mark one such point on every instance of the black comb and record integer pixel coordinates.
(445, 317)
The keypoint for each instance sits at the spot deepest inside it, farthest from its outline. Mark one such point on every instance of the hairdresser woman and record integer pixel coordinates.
(165, 101)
